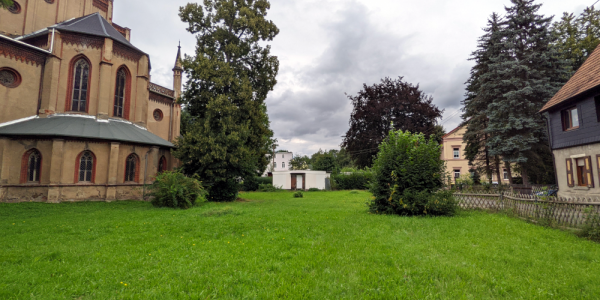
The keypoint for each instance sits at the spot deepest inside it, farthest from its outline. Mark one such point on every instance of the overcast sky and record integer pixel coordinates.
(329, 48)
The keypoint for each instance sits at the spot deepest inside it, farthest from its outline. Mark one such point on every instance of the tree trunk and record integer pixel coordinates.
(524, 175)
(497, 165)
(509, 171)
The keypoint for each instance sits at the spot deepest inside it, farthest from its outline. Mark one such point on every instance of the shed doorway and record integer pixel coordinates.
(298, 182)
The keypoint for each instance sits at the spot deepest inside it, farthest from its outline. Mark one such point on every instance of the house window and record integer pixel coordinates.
(570, 119)
(456, 174)
(131, 165)
(34, 164)
(456, 153)
(120, 93)
(283, 165)
(282, 155)
(86, 166)
(581, 172)
(81, 75)
(505, 174)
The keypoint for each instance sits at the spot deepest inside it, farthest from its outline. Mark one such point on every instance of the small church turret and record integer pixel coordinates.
(177, 70)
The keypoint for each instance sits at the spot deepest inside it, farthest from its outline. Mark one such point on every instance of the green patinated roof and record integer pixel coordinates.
(88, 127)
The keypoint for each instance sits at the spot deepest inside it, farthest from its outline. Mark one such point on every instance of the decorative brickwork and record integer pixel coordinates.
(153, 87)
(160, 98)
(120, 29)
(126, 52)
(83, 40)
(40, 41)
(101, 4)
(22, 53)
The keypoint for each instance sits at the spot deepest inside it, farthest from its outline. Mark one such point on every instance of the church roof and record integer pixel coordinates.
(585, 79)
(93, 24)
(84, 127)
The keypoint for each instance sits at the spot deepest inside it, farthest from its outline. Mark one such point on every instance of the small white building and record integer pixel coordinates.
(281, 162)
(300, 179)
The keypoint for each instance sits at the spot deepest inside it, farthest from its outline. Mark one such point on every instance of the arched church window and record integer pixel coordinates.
(86, 167)
(31, 166)
(162, 165)
(81, 73)
(49, 1)
(120, 93)
(9, 78)
(131, 164)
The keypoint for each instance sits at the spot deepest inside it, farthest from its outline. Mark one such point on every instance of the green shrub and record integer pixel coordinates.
(249, 184)
(417, 203)
(407, 173)
(314, 190)
(298, 195)
(354, 181)
(591, 228)
(265, 180)
(223, 191)
(173, 189)
(268, 188)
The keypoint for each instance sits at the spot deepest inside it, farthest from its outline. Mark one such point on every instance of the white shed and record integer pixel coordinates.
(300, 179)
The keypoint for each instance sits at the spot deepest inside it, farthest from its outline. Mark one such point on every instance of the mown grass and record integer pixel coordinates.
(323, 246)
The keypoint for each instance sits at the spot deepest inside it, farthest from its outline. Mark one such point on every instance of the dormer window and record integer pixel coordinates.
(570, 119)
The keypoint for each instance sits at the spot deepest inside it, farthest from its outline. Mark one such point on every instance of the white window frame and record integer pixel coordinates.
(456, 153)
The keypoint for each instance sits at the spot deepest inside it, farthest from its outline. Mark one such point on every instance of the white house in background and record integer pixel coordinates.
(281, 161)
(300, 179)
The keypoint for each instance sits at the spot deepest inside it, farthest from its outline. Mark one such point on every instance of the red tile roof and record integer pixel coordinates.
(586, 78)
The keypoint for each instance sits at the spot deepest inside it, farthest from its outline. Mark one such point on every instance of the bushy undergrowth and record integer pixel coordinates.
(223, 191)
(253, 184)
(314, 190)
(267, 187)
(416, 203)
(407, 177)
(591, 229)
(298, 195)
(355, 181)
(173, 189)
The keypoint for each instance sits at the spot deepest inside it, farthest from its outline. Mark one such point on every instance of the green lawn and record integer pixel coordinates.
(323, 246)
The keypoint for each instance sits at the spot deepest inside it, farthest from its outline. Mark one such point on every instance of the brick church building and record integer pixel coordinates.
(79, 117)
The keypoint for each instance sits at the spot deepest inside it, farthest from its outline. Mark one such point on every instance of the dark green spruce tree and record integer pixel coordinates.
(528, 72)
(477, 100)
(228, 137)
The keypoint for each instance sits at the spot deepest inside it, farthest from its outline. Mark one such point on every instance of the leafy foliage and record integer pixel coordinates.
(298, 195)
(408, 171)
(331, 160)
(173, 189)
(268, 187)
(577, 37)
(591, 229)
(6, 3)
(300, 163)
(391, 104)
(354, 181)
(228, 136)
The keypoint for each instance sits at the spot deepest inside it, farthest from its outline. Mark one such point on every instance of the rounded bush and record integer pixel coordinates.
(223, 191)
(173, 189)
(298, 195)
(407, 175)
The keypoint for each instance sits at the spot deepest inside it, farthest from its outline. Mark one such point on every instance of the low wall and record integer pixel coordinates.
(70, 193)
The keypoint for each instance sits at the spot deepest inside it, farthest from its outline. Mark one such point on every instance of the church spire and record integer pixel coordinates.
(178, 65)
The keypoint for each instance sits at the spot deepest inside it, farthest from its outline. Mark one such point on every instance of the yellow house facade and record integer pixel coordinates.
(457, 166)
(79, 118)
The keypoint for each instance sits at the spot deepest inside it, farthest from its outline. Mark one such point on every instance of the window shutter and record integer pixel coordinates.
(570, 180)
(588, 171)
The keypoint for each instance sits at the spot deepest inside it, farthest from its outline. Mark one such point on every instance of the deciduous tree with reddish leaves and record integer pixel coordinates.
(377, 108)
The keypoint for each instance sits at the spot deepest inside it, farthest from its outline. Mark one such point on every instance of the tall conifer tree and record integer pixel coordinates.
(477, 100)
(527, 73)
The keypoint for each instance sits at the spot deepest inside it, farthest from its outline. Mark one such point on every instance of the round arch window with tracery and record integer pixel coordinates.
(158, 115)
(15, 8)
(49, 1)
(9, 78)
